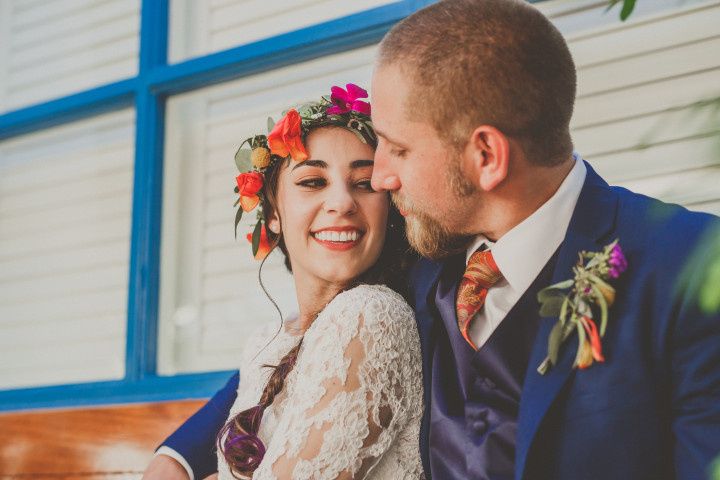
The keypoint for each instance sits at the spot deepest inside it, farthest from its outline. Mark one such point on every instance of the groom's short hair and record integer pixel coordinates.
(488, 62)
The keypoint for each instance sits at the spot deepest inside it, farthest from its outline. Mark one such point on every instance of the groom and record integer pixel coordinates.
(472, 101)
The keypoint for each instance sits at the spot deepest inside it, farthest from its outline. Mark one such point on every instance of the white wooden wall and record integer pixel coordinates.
(201, 27)
(65, 196)
(644, 115)
(51, 48)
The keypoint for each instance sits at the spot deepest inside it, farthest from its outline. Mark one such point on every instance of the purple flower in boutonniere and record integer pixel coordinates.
(574, 302)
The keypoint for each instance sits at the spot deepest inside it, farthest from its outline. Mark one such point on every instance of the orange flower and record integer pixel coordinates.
(264, 246)
(594, 337)
(585, 358)
(286, 137)
(249, 184)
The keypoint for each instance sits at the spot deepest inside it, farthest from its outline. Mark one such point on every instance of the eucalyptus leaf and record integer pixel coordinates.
(581, 339)
(551, 306)
(256, 237)
(238, 217)
(242, 160)
(554, 341)
(564, 310)
(603, 309)
(565, 284)
(549, 292)
(270, 124)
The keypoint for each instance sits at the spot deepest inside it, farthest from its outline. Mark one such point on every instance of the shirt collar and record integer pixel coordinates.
(523, 251)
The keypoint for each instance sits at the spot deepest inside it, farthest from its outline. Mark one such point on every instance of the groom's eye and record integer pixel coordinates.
(398, 152)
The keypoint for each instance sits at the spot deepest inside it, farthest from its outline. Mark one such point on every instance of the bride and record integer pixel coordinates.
(337, 392)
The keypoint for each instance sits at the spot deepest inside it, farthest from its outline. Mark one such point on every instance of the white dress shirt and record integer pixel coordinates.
(523, 251)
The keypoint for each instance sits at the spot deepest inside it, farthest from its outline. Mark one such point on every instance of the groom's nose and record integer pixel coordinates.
(383, 176)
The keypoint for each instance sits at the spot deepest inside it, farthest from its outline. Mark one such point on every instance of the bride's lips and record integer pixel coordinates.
(338, 238)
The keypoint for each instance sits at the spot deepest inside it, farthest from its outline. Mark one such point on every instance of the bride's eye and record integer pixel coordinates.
(364, 185)
(312, 182)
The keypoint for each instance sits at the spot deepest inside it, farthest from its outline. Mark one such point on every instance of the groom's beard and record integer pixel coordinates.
(427, 236)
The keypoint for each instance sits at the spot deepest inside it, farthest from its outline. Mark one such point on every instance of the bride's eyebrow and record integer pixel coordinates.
(311, 163)
(361, 163)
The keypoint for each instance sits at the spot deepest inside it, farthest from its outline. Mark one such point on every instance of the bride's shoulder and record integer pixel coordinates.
(375, 303)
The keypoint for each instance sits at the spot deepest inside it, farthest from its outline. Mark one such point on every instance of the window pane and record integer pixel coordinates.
(197, 28)
(210, 298)
(65, 200)
(54, 48)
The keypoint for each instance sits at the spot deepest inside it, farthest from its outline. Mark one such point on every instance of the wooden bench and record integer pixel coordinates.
(112, 442)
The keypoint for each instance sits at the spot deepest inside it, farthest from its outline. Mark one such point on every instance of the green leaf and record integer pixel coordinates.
(581, 339)
(564, 310)
(565, 284)
(270, 124)
(552, 306)
(549, 292)
(627, 9)
(554, 341)
(603, 309)
(238, 217)
(236, 189)
(709, 294)
(242, 160)
(256, 237)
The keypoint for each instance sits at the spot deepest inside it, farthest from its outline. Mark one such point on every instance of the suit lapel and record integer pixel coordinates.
(589, 229)
(425, 276)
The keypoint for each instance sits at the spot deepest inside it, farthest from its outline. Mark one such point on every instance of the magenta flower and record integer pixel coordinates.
(347, 100)
(618, 262)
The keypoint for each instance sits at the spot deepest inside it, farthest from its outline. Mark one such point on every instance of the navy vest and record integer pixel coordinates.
(475, 396)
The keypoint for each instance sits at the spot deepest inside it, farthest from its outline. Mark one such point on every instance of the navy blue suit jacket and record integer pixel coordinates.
(650, 411)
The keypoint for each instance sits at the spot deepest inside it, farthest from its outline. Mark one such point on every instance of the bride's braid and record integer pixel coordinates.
(238, 440)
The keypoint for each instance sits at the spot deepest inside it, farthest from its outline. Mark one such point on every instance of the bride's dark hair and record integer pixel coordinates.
(238, 440)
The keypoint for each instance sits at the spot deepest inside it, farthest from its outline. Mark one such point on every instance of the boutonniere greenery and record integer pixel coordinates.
(575, 302)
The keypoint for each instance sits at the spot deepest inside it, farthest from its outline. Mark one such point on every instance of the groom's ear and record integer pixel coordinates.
(488, 153)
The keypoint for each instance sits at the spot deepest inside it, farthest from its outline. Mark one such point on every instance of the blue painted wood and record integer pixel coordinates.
(149, 389)
(353, 31)
(144, 286)
(85, 104)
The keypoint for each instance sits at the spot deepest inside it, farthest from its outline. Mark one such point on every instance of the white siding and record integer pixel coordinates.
(65, 201)
(210, 296)
(645, 116)
(197, 28)
(53, 48)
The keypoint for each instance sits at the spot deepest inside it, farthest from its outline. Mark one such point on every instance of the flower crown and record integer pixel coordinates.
(286, 139)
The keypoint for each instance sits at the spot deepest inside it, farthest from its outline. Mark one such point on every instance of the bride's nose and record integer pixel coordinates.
(340, 200)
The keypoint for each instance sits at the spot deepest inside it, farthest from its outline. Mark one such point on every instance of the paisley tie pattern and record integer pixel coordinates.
(480, 274)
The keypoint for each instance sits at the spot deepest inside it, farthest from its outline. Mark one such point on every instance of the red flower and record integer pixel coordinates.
(286, 137)
(249, 184)
(264, 246)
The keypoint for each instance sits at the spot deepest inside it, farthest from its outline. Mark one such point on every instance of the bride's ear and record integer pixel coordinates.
(273, 224)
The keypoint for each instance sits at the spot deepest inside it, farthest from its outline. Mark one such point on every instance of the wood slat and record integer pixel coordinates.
(91, 443)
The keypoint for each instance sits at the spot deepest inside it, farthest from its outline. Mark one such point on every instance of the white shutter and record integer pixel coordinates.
(210, 298)
(198, 28)
(53, 48)
(645, 116)
(65, 201)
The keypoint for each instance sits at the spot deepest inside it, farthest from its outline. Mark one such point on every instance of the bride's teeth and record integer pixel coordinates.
(346, 236)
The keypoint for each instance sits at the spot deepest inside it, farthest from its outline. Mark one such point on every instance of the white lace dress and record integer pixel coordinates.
(351, 408)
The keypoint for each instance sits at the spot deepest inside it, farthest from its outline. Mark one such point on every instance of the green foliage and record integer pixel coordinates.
(627, 7)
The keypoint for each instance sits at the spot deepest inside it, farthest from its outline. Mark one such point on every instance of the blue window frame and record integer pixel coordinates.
(147, 92)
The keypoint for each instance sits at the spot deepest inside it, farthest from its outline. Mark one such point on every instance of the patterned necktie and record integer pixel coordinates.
(480, 274)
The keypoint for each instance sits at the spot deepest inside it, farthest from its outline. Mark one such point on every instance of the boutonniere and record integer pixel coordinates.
(575, 300)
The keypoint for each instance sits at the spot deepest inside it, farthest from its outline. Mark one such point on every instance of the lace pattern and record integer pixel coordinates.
(351, 408)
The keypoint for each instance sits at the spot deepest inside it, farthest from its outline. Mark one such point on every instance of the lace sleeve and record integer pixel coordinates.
(347, 401)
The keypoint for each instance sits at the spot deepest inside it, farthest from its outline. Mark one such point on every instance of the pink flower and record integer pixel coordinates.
(347, 100)
(618, 262)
